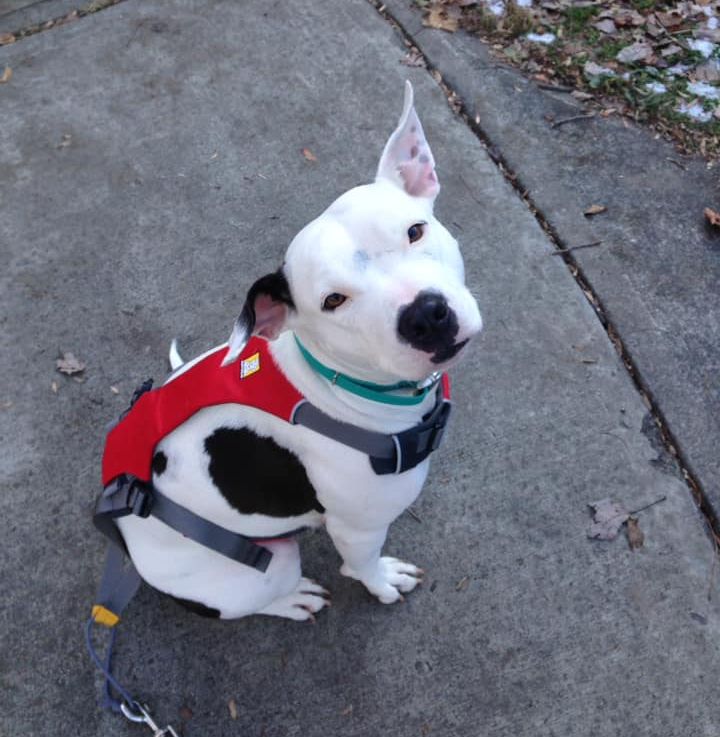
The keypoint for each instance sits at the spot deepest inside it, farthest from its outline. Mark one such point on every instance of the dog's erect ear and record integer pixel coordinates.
(264, 313)
(407, 159)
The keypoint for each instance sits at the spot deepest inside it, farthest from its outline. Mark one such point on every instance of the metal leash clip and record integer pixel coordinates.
(141, 715)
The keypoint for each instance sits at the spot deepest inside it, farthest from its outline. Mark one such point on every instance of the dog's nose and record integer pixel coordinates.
(428, 323)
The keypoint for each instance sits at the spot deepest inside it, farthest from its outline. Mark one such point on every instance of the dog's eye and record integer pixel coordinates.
(333, 301)
(415, 232)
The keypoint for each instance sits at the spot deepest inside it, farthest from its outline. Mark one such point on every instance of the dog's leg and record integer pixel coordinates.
(385, 577)
(307, 599)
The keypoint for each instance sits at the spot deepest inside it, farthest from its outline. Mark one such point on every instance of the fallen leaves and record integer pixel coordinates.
(608, 518)
(594, 210)
(6, 76)
(309, 155)
(232, 707)
(444, 18)
(635, 53)
(69, 364)
(712, 216)
(7, 38)
(635, 535)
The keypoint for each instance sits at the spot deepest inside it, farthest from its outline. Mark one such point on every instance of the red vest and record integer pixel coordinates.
(253, 380)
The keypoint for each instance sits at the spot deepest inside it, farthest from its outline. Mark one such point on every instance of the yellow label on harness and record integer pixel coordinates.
(102, 615)
(250, 365)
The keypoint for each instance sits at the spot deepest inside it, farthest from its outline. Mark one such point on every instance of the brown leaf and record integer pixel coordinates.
(309, 155)
(594, 210)
(635, 535)
(607, 26)
(6, 75)
(413, 58)
(7, 38)
(347, 711)
(608, 518)
(232, 706)
(69, 364)
(713, 217)
(438, 17)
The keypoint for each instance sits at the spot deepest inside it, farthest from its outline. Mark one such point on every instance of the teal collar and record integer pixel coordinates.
(368, 390)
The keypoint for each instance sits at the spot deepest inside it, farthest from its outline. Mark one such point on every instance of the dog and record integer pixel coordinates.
(373, 291)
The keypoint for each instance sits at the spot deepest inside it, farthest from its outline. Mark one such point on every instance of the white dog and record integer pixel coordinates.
(369, 304)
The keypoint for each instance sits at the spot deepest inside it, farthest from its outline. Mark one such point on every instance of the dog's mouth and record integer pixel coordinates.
(447, 352)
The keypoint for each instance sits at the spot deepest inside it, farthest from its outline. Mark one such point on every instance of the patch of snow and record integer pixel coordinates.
(524, 3)
(592, 69)
(704, 47)
(657, 88)
(712, 23)
(677, 69)
(497, 7)
(541, 38)
(703, 89)
(695, 111)
(625, 76)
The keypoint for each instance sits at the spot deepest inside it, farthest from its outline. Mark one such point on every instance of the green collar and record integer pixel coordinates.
(368, 390)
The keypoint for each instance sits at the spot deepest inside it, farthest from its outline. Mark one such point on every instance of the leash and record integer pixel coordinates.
(120, 581)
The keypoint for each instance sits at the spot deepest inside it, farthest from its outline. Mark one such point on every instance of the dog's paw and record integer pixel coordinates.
(302, 604)
(391, 579)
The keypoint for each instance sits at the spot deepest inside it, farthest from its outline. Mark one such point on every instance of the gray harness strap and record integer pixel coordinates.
(125, 496)
(387, 453)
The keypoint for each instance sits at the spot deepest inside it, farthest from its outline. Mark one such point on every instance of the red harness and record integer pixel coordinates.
(253, 380)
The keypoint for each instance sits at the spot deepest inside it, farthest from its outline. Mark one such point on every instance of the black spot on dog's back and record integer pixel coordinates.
(159, 463)
(257, 476)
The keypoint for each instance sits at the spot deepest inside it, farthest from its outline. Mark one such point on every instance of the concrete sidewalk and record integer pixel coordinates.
(151, 167)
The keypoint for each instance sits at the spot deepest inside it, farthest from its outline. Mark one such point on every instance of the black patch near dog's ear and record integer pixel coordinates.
(264, 313)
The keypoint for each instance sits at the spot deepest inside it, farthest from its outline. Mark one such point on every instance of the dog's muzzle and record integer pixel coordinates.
(428, 324)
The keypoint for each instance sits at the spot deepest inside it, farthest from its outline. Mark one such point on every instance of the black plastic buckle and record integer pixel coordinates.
(438, 428)
(139, 498)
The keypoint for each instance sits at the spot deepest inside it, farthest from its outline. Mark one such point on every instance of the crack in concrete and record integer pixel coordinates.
(671, 448)
(90, 8)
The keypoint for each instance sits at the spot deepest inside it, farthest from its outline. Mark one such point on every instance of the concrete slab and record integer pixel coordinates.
(658, 268)
(150, 169)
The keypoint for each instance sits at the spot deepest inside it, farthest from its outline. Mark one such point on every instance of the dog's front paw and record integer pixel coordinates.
(391, 579)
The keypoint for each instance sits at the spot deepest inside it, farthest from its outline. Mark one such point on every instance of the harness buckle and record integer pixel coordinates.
(139, 498)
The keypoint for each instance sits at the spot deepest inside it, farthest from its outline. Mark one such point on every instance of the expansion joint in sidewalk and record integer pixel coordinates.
(668, 439)
(89, 8)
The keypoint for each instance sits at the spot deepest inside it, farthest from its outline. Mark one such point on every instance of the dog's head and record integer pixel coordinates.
(374, 287)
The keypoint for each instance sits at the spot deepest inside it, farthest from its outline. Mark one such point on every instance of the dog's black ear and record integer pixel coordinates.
(264, 313)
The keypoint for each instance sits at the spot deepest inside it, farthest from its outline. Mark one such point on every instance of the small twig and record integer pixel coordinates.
(414, 514)
(647, 506)
(555, 87)
(716, 555)
(560, 251)
(677, 163)
(558, 123)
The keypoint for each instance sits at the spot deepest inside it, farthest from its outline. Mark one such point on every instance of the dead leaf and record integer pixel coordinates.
(347, 711)
(462, 584)
(6, 75)
(594, 210)
(713, 217)
(232, 706)
(670, 50)
(706, 72)
(608, 518)
(69, 364)
(309, 155)
(54, 387)
(606, 26)
(635, 52)
(7, 38)
(413, 58)
(635, 535)
(580, 95)
(438, 17)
